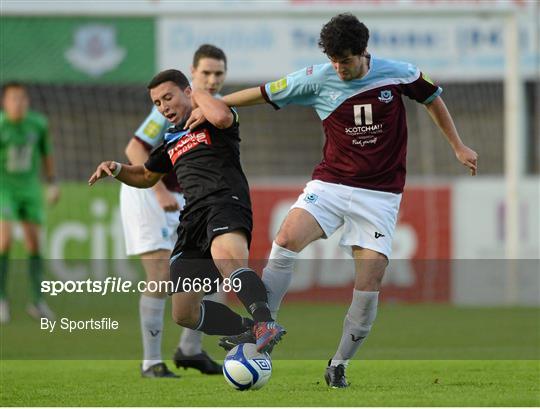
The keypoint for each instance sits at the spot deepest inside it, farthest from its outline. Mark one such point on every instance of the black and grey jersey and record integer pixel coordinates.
(207, 164)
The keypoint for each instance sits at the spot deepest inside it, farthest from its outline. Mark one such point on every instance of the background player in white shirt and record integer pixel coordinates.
(359, 182)
(150, 219)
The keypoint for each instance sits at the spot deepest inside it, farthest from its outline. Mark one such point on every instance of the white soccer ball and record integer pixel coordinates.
(245, 368)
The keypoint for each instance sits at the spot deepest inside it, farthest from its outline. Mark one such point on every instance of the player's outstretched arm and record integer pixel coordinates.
(442, 118)
(214, 110)
(249, 96)
(138, 155)
(245, 97)
(136, 176)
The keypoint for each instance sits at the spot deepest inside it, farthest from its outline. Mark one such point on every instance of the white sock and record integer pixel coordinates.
(151, 313)
(190, 341)
(356, 325)
(277, 275)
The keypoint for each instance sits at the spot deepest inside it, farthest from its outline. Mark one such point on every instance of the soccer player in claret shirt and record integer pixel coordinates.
(25, 152)
(150, 218)
(358, 184)
(215, 230)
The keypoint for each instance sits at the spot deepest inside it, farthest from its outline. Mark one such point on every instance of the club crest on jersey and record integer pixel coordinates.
(386, 96)
(311, 198)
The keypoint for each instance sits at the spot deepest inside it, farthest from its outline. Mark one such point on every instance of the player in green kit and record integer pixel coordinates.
(25, 150)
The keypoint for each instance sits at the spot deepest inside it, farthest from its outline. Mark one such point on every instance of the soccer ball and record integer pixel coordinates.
(245, 368)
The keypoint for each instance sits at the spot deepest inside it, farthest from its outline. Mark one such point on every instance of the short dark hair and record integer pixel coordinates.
(343, 33)
(13, 84)
(175, 76)
(209, 51)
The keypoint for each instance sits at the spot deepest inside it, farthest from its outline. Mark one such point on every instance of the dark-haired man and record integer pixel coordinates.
(25, 152)
(215, 230)
(150, 218)
(358, 184)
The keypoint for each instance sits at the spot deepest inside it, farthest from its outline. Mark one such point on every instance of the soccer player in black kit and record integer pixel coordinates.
(215, 230)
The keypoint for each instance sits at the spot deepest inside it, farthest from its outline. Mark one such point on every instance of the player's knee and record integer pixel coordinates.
(285, 240)
(371, 283)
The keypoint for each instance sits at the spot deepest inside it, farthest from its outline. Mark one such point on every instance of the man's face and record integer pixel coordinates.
(348, 67)
(209, 75)
(171, 102)
(15, 103)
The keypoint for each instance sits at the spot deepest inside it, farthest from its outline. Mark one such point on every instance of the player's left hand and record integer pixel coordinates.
(195, 119)
(103, 170)
(53, 193)
(467, 157)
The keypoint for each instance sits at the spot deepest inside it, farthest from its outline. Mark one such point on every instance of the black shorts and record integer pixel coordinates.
(191, 257)
(199, 227)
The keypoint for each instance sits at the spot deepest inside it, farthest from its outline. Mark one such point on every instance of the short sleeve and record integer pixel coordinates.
(296, 88)
(153, 128)
(422, 89)
(159, 160)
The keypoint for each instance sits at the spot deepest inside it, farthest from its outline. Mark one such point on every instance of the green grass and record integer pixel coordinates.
(294, 383)
(417, 355)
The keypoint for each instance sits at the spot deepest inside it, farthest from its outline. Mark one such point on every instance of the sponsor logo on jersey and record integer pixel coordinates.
(311, 198)
(189, 142)
(386, 96)
(278, 86)
(152, 129)
(309, 70)
(364, 142)
(94, 50)
(365, 128)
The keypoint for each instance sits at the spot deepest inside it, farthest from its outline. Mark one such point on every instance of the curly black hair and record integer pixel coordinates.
(343, 34)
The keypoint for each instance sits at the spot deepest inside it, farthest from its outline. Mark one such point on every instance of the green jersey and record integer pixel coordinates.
(22, 147)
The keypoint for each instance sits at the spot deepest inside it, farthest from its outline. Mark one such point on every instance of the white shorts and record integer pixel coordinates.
(368, 217)
(147, 227)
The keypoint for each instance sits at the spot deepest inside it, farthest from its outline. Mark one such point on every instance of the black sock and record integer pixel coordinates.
(252, 294)
(218, 319)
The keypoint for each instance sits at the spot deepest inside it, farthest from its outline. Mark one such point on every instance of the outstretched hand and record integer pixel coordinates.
(195, 119)
(467, 157)
(103, 170)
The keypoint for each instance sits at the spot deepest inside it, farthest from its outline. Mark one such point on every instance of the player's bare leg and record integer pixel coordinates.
(230, 253)
(38, 308)
(186, 308)
(5, 245)
(297, 230)
(369, 266)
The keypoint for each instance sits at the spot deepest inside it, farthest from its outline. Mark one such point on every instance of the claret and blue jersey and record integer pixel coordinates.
(364, 120)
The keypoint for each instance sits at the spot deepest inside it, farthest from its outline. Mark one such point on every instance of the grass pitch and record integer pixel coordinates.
(293, 383)
(417, 355)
